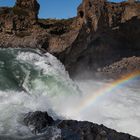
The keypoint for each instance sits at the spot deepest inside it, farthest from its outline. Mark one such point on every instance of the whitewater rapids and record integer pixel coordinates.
(31, 81)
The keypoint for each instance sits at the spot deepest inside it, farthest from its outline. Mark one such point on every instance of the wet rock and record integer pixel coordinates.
(73, 130)
(37, 121)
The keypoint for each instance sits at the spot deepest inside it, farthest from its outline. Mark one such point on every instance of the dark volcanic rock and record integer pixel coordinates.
(90, 131)
(74, 130)
(37, 121)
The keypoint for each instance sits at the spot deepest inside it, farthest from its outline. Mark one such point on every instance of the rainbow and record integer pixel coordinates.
(108, 89)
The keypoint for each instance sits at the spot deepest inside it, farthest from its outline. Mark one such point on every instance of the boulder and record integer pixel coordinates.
(73, 130)
(37, 121)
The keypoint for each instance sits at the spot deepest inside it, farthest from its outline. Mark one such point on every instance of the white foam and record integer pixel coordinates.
(42, 77)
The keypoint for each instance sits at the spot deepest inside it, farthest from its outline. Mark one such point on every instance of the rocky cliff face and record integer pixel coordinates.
(20, 17)
(20, 27)
(110, 31)
(102, 33)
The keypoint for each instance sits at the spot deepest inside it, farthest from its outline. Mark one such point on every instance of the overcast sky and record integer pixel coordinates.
(53, 8)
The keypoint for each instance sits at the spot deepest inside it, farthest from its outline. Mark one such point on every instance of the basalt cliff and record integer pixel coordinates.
(109, 32)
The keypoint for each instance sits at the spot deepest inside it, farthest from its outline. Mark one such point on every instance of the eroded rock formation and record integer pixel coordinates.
(110, 31)
(20, 17)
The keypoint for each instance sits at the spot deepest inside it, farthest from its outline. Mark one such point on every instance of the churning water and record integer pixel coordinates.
(31, 81)
(27, 81)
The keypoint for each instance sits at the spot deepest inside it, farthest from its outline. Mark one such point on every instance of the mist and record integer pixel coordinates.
(42, 84)
(118, 109)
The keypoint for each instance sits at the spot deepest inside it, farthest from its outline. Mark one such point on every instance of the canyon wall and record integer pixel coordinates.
(102, 33)
(110, 31)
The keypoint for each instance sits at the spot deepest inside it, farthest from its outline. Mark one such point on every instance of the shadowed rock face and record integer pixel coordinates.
(110, 31)
(74, 130)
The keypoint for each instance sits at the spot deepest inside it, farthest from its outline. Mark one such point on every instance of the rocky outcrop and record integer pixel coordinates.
(20, 27)
(74, 130)
(122, 67)
(110, 32)
(31, 6)
(37, 121)
(20, 17)
(98, 14)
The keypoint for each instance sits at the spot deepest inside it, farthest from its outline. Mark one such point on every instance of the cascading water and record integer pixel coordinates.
(31, 81)
(28, 80)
